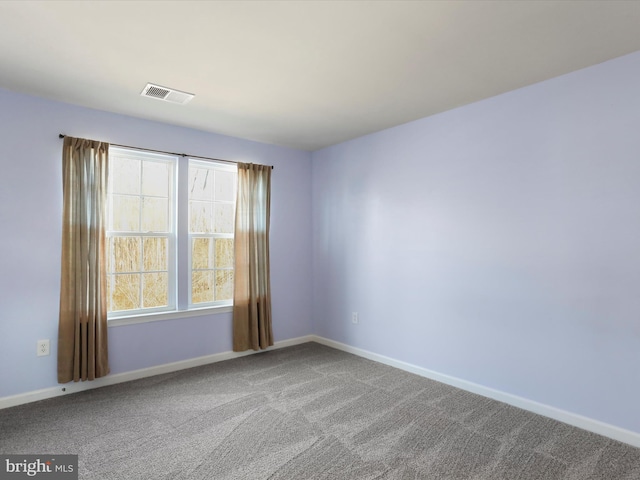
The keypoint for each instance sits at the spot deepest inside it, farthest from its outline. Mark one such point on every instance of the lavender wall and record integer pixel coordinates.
(498, 242)
(30, 216)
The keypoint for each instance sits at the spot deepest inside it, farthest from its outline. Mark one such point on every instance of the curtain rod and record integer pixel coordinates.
(62, 135)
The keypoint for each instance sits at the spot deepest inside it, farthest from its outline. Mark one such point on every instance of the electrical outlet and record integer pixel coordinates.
(43, 348)
(354, 317)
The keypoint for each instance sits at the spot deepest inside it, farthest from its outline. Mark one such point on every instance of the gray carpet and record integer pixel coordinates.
(306, 412)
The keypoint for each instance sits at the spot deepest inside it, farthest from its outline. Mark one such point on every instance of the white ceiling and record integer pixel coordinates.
(304, 74)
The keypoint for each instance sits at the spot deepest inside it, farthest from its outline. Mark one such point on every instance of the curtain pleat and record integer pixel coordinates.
(82, 326)
(252, 286)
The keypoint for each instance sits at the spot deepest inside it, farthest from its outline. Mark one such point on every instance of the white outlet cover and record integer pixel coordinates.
(42, 348)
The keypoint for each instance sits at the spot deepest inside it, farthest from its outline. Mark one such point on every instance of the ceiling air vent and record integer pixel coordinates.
(166, 94)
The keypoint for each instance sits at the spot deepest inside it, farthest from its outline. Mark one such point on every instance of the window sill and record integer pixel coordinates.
(159, 316)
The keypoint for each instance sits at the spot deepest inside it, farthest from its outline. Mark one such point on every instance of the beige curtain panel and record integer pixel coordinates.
(82, 328)
(252, 285)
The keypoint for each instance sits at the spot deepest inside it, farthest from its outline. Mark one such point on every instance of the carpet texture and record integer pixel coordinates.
(306, 412)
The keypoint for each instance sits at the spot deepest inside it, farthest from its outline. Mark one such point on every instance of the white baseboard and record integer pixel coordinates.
(596, 426)
(68, 388)
(585, 423)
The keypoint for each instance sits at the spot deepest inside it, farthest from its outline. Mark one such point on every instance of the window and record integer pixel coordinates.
(156, 219)
(140, 231)
(212, 193)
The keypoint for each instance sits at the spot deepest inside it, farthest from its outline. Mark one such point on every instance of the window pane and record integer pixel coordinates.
(225, 186)
(224, 253)
(126, 292)
(155, 254)
(155, 179)
(200, 217)
(126, 214)
(224, 284)
(224, 218)
(126, 254)
(201, 253)
(124, 175)
(200, 183)
(155, 214)
(155, 290)
(202, 287)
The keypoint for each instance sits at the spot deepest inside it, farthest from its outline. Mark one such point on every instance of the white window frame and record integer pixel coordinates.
(179, 248)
